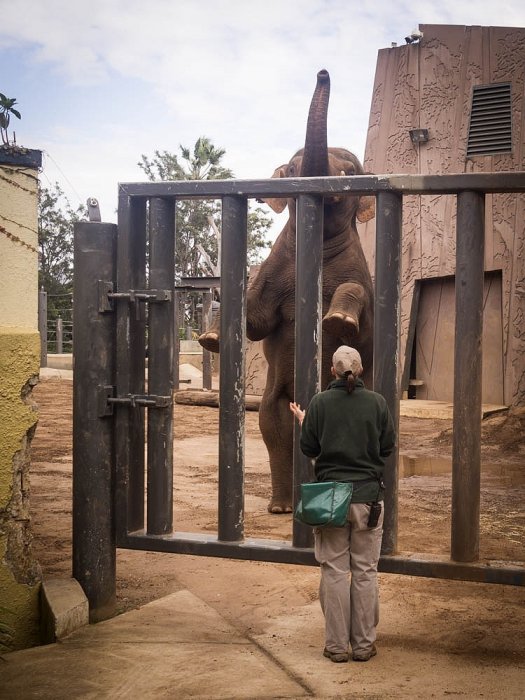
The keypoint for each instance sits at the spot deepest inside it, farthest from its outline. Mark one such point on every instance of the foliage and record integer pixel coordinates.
(197, 222)
(6, 110)
(55, 241)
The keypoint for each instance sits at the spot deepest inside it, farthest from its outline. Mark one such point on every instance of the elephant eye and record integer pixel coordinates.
(291, 170)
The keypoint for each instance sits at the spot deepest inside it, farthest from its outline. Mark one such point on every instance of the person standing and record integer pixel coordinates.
(348, 431)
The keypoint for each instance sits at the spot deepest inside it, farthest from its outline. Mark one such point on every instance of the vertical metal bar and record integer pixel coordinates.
(386, 340)
(160, 367)
(232, 379)
(94, 554)
(59, 336)
(466, 445)
(308, 314)
(42, 326)
(176, 340)
(130, 370)
(206, 355)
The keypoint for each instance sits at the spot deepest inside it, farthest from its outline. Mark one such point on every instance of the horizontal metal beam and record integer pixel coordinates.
(283, 552)
(358, 184)
(431, 566)
(189, 283)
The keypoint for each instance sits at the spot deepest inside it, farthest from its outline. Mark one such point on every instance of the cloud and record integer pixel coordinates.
(241, 72)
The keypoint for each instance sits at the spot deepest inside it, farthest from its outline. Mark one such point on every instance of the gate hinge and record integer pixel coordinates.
(107, 399)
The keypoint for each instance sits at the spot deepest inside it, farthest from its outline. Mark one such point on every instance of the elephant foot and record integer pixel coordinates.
(209, 341)
(341, 326)
(277, 506)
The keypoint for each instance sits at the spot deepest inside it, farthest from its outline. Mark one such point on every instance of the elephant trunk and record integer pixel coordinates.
(315, 157)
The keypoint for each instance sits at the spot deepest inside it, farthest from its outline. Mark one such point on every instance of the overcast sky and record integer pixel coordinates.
(99, 83)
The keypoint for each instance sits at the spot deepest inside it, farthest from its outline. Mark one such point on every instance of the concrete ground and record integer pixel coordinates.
(181, 647)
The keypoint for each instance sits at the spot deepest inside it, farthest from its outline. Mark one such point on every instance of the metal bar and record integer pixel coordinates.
(160, 368)
(466, 445)
(232, 369)
(308, 350)
(386, 340)
(59, 336)
(283, 552)
(42, 326)
(357, 184)
(177, 315)
(208, 283)
(130, 371)
(94, 553)
(206, 355)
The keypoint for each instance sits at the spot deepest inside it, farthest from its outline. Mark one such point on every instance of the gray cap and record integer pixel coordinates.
(346, 359)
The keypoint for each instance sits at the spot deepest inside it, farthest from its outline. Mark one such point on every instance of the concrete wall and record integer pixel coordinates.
(19, 367)
(429, 85)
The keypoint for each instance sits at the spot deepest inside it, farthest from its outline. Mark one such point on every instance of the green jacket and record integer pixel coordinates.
(349, 435)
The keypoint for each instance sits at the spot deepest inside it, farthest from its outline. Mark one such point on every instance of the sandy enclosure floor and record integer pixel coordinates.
(471, 624)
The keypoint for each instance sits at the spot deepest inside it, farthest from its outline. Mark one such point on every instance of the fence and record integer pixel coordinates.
(110, 401)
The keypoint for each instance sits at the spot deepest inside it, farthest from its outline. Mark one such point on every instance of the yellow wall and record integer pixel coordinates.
(19, 367)
(18, 248)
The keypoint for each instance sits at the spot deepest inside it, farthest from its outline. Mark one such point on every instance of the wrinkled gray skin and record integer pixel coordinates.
(347, 293)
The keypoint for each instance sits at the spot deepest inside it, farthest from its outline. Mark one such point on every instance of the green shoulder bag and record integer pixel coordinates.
(324, 503)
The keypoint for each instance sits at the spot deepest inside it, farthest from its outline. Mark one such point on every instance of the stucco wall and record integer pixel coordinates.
(19, 367)
(429, 85)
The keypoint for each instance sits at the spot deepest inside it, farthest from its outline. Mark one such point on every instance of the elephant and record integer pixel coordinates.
(347, 295)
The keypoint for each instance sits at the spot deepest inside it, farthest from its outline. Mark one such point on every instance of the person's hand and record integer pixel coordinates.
(296, 410)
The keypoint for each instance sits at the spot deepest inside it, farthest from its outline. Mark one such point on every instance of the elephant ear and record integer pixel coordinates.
(366, 209)
(278, 204)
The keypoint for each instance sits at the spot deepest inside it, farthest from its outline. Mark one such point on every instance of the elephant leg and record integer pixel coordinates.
(342, 318)
(210, 338)
(276, 423)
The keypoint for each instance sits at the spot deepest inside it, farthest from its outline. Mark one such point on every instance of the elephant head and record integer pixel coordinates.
(317, 160)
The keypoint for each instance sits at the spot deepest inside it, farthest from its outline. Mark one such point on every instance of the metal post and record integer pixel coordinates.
(466, 445)
(160, 367)
(93, 469)
(206, 355)
(308, 347)
(130, 371)
(232, 380)
(42, 326)
(59, 336)
(386, 340)
(176, 340)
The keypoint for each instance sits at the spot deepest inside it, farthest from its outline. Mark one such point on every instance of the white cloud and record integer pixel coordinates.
(239, 71)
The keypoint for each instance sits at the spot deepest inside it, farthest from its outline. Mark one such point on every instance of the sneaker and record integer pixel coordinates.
(338, 657)
(365, 655)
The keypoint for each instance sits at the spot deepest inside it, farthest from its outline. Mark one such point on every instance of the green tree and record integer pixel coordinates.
(56, 218)
(198, 221)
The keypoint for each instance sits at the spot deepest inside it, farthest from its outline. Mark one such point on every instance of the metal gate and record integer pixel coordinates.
(122, 498)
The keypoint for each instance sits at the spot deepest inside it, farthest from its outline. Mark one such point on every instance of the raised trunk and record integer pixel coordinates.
(315, 157)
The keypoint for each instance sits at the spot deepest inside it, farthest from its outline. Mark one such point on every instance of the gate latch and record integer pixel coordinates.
(149, 296)
(107, 399)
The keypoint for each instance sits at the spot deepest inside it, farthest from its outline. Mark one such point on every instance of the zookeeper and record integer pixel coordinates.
(349, 431)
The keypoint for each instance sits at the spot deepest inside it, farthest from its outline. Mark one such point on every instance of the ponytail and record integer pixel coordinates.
(350, 381)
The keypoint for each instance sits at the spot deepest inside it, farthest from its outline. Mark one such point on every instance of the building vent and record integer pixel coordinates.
(490, 120)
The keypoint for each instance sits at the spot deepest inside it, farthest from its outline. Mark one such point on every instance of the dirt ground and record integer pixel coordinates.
(475, 623)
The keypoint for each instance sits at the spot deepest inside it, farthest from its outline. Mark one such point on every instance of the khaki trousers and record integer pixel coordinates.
(351, 609)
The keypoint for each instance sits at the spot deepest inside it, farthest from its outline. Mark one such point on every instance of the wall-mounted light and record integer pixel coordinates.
(418, 136)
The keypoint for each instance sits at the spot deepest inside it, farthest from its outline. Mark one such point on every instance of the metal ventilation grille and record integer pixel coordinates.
(490, 120)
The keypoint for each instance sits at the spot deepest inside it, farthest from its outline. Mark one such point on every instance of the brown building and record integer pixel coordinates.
(463, 89)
